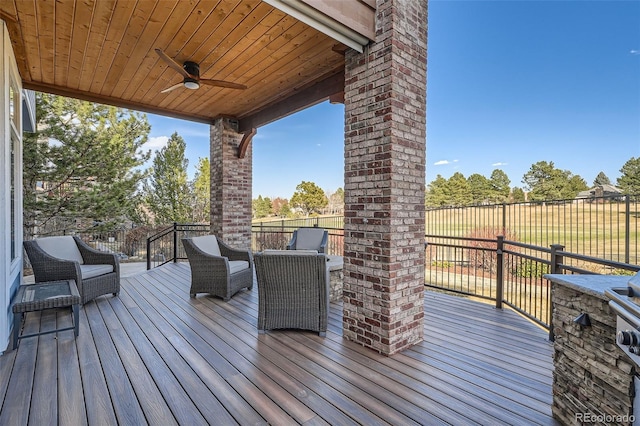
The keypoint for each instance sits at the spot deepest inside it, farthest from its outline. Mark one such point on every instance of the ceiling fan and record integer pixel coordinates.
(190, 71)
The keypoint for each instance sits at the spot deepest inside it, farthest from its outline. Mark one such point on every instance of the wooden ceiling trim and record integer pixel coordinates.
(87, 96)
(64, 28)
(136, 53)
(298, 101)
(247, 137)
(158, 76)
(125, 51)
(109, 46)
(82, 18)
(101, 16)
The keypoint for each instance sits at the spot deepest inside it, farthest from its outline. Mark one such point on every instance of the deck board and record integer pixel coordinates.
(154, 355)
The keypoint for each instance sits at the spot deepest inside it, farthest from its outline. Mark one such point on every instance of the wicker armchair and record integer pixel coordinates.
(307, 238)
(69, 258)
(293, 290)
(217, 268)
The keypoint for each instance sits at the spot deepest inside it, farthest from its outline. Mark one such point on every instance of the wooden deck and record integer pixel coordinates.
(155, 356)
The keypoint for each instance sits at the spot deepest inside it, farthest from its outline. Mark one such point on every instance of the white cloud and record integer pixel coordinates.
(444, 162)
(156, 143)
(634, 52)
(498, 164)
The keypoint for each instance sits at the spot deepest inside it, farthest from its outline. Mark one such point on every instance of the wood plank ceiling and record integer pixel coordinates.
(104, 51)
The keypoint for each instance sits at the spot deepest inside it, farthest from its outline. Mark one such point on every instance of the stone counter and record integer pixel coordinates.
(593, 378)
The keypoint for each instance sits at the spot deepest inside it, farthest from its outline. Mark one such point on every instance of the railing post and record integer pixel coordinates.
(499, 271)
(148, 253)
(627, 203)
(556, 259)
(175, 242)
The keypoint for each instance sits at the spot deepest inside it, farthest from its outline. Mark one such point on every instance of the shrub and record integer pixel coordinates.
(272, 240)
(482, 254)
(528, 268)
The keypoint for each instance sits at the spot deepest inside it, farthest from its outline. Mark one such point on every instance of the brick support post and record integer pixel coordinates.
(385, 145)
(231, 179)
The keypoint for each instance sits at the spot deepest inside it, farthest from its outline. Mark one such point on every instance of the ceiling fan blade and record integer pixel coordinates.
(175, 86)
(220, 83)
(173, 64)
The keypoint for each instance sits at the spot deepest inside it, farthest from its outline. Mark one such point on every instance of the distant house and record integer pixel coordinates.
(601, 191)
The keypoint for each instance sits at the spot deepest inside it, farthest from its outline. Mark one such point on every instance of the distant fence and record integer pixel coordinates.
(602, 227)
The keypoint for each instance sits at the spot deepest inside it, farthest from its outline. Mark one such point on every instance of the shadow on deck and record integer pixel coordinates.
(155, 356)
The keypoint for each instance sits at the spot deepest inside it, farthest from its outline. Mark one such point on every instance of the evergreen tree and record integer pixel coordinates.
(517, 195)
(167, 189)
(601, 179)
(459, 190)
(261, 207)
(82, 166)
(437, 193)
(336, 201)
(629, 181)
(202, 192)
(479, 187)
(545, 182)
(499, 184)
(309, 197)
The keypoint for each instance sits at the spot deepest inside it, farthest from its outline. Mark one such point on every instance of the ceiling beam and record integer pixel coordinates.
(87, 96)
(299, 100)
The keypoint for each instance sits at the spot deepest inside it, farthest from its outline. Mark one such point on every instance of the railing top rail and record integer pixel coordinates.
(605, 262)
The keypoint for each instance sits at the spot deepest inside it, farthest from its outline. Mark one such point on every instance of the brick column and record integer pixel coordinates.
(385, 135)
(231, 179)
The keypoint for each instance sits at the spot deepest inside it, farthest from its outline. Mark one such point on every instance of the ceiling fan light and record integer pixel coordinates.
(191, 83)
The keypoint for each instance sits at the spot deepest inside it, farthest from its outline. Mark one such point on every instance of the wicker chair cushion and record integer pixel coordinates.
(90, 271)
(208, 244)
(237, 266)
(61, 247)
(309, 238)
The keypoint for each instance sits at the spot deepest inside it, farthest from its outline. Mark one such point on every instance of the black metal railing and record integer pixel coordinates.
(165, 246)
(496, 269)
(508, 272)
(276, 235)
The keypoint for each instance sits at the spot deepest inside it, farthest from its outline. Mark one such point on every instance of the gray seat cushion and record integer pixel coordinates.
(237, 266)
(90, 271)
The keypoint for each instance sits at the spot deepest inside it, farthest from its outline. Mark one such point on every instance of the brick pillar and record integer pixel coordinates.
(385, 135)
(231, 179)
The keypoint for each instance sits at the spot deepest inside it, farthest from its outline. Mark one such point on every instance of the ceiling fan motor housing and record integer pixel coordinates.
(192, 68)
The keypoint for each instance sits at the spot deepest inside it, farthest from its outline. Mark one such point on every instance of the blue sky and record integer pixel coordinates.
(509, 83)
